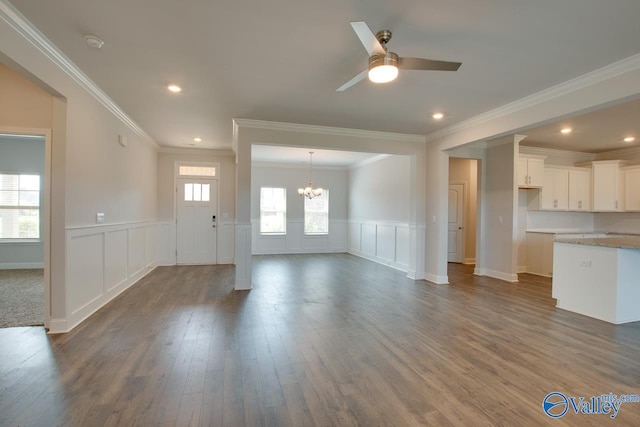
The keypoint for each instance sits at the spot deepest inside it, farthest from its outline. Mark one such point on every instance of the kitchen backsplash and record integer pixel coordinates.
(563, 220)
(618, 222)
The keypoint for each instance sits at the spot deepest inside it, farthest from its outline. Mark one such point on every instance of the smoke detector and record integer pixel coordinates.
(93, 42)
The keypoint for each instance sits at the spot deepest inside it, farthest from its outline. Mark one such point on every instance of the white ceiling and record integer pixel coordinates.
(594, 132)
(282, 60)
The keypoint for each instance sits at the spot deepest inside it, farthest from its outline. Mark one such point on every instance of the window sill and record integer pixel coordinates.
(20, 241)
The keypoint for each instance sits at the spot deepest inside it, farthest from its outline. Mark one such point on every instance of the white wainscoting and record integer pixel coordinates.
(383, 242)
(226, 242)
(296, 242)
(166, 242)
(103, 261)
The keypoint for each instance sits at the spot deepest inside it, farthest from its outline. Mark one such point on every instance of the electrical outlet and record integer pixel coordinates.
(99, 218)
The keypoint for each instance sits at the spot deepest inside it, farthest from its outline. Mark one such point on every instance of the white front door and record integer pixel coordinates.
(196, 222)
(456, 220)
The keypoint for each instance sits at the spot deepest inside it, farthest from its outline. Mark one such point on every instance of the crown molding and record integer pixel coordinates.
(325, 130)
(29, 32)
(567, 154)
(201, 151)
(622, 153)
(623, 66)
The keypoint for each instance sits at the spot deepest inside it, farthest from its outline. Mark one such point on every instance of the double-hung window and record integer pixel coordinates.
(316, 214)
(19, 206)
(273, 211)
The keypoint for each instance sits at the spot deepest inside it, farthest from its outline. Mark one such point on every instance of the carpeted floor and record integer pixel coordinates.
(21, 298)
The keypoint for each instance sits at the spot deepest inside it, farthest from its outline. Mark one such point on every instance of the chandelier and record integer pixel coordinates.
(309, 191)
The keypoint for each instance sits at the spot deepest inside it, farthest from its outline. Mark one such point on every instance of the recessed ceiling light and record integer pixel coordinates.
(196, 139)
(93, 41)
(629, 139)
(566, 131)
(174, 88)
(437, 116)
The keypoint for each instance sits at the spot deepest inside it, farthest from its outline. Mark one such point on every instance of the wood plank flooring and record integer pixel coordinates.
(321, 340)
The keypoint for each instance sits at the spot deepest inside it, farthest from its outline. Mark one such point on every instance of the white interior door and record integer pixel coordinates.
(456, 221)
(196, 220)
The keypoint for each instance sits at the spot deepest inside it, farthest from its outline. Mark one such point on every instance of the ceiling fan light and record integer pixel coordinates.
(383, 68)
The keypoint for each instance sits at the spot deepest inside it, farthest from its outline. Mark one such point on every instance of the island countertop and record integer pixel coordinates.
(612, 241)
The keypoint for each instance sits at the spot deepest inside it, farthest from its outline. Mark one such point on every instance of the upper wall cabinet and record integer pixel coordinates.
(555, 191)
(632, 188)
(608, 185)
(579, 189)
(530, 171)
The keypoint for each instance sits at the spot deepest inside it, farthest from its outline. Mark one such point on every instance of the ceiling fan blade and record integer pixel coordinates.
(357, 79)
(427, 64)
(367, 38)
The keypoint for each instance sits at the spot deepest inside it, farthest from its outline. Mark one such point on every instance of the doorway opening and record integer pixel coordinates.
(24, 228)
(462, 211)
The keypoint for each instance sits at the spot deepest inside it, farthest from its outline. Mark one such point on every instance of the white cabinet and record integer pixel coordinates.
(632, 188)
(579, 189)
(608, 186)
(530, 171)
(555, 189)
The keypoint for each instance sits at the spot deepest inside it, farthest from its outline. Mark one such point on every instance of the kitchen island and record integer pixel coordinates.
(598, 276)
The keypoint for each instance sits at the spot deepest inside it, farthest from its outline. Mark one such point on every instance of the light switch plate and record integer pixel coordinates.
(100, 218)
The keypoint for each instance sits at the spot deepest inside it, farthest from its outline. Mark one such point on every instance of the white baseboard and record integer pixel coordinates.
(21, 265)
(508, 277)
(469, 261)
(388, 263)
(58, 326)
(438, 280)
(536, 274)
(413, 275)
(522, 269)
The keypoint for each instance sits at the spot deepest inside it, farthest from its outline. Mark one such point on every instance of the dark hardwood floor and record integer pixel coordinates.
(324, 340)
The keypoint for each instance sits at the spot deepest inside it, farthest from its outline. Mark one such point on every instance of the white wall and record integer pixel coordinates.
(292, 178)
(379, 211)
(501, 207)
(379, 191)
(23, 155)
(90, 171)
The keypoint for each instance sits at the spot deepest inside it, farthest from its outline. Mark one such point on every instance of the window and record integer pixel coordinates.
(19, 206)
(196, 170)
(316, 214)
(273, 210)
(194, 192)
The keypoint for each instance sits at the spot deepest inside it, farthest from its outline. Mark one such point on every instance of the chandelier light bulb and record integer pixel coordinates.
(308, 191)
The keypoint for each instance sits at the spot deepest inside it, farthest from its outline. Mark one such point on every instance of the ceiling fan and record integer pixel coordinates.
(383, 64)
